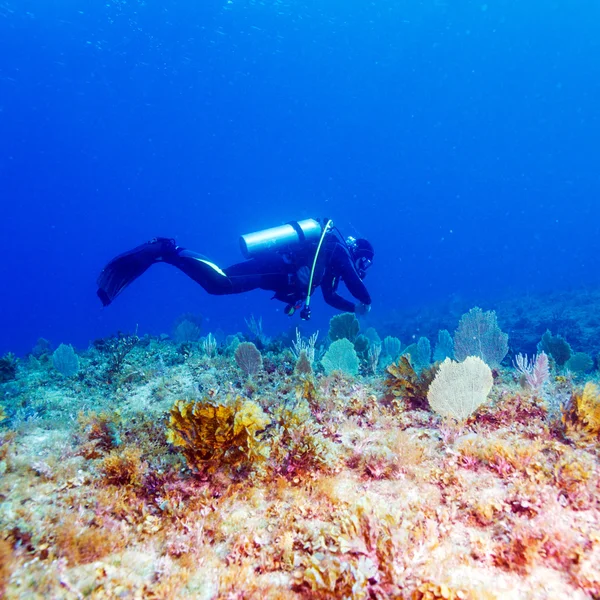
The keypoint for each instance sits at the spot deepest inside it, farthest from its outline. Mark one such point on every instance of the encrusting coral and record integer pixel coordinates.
(292, 484)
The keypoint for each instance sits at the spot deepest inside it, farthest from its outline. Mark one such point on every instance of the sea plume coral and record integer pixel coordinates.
(207, 432)
(535, 372)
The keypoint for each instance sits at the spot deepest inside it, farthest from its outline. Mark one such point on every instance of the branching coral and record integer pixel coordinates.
(298, 442)
(100, 433)
(322, 490)
(115, 350)
(123, 467)
(209, 432)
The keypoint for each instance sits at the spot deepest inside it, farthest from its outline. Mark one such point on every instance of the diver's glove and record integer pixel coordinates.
(361, 309)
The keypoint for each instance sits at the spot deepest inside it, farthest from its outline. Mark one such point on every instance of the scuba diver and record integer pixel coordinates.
(291, 260)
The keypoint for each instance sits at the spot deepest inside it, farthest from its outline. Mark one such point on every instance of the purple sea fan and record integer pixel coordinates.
(478, 334)
(536, 372)
(248, 358)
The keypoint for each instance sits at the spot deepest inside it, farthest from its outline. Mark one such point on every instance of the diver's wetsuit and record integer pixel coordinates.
(286, 274)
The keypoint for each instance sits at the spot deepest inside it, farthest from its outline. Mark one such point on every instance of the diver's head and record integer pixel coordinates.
(362, 254)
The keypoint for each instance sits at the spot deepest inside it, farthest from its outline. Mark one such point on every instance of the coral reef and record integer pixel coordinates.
(342, 326)
(162, 470)
(8, 367)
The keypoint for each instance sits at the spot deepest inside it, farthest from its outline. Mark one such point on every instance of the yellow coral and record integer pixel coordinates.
(581, 416)
(207, 432)
(249, 417)
(2, 413)
(588, 408)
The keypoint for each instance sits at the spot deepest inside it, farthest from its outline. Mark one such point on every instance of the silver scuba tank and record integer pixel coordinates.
(281, 238)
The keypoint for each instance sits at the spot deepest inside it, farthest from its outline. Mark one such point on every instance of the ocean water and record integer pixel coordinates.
(460, 137)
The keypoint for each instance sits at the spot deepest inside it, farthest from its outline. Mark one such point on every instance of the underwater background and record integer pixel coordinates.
(460, 137)
(177, 445)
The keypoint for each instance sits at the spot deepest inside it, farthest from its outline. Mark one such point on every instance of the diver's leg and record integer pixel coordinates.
(263, 273)
(238, 278)
(242, 277)
(127, 267)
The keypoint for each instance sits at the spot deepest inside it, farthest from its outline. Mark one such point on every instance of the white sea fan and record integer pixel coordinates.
(460, 388)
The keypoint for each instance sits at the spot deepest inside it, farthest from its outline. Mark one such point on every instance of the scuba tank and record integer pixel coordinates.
(282, 238)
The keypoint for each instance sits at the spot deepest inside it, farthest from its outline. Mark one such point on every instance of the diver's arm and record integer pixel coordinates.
(329, 287)
(351, 277)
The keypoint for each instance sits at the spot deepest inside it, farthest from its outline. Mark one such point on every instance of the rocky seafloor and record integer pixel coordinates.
(159, 469)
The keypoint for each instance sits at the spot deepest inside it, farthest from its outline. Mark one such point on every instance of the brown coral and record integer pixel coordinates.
(404, 382)
(210, 432)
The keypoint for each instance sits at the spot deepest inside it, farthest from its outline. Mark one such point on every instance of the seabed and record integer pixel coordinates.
(163, 472)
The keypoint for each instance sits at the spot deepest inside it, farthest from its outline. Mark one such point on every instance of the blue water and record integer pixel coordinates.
(460, 137)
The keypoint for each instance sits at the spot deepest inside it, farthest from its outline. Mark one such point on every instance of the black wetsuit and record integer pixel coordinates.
(287, 274)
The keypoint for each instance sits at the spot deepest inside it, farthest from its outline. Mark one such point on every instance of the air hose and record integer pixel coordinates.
(305, 314)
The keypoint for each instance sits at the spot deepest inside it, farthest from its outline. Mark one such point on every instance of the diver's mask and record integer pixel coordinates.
(362, 251)
(362, 264)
